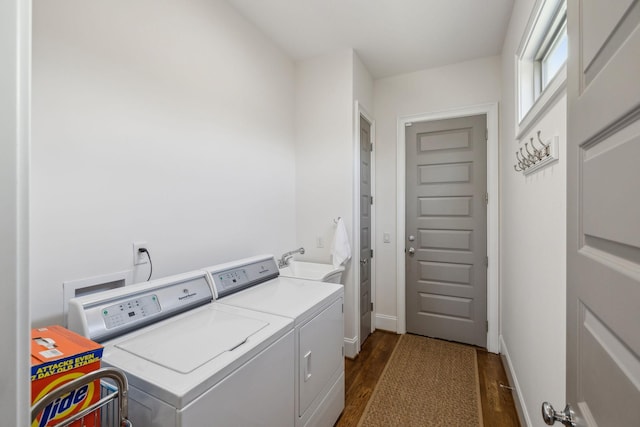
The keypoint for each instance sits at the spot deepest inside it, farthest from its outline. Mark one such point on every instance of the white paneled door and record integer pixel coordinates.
(603, 214)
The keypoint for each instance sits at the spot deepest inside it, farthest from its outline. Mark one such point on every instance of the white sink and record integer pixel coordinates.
(313, 271)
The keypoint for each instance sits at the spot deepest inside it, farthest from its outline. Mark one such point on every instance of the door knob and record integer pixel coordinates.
(363, 261)
(412, 238)
(412, 251)
(550, 416)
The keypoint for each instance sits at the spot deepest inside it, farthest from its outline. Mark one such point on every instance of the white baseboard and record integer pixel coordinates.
(386, 323)
(351, 347)
(523, 414)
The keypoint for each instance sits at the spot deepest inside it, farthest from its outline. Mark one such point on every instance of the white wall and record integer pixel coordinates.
(171, 123)
(432, 90)
(324, 161)
(15, 397)
(362, 85)
(323, 150)
(533, 235)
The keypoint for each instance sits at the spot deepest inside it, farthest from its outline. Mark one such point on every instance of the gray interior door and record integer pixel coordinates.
(365, 229)
(446, 223)
(603, 212)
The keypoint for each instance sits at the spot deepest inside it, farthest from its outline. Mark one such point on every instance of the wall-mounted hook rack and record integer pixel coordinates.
(530, 160)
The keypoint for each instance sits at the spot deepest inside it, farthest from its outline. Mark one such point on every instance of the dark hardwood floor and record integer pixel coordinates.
(498, 407)
(362, 373)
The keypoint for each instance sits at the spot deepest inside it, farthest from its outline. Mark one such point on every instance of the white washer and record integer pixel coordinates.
(190, 361)
(317, 312)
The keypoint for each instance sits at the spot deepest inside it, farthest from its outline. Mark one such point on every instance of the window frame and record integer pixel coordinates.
(535, 94)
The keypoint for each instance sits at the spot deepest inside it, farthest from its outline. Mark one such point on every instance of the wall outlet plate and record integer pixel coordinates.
(139, 258)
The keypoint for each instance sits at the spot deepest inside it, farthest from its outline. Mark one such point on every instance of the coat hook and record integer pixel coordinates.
(541, 142)
(525, 160)
(538, 153)
(335, 220)
(547, 147)
(532, 157)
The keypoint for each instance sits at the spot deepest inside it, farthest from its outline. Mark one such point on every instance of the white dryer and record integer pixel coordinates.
(317, 312)
(190, 361)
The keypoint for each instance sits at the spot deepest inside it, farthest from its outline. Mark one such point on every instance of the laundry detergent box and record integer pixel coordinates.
(58, 356)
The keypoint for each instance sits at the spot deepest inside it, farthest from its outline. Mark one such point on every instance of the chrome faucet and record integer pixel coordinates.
(286, 257)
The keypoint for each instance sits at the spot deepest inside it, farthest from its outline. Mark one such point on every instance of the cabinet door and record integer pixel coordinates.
(320, 354)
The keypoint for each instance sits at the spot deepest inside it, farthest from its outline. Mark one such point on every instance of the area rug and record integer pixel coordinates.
(427, 382)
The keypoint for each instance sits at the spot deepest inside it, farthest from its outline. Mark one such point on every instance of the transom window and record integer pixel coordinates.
(552, 54)
(541, 59)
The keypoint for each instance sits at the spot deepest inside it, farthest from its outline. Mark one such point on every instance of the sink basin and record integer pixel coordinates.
(313, 271)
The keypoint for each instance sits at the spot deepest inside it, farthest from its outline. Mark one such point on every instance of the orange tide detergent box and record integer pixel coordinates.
(58, 356)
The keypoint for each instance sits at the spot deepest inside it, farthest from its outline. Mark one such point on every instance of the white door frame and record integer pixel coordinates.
(491, 111)
(359, 110)
(15, 84)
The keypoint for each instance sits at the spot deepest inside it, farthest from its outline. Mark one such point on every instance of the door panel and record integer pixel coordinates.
(608, 15)
(446, 226)
(365, 229)
(603, 237)
(320, 354)
(445, 206)
(616, 62)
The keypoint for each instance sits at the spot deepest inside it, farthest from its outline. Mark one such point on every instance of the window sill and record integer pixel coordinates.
(544, 102)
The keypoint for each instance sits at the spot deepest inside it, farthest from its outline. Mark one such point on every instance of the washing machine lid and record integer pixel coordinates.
(190, 342)
(298, 299)
(178, 359)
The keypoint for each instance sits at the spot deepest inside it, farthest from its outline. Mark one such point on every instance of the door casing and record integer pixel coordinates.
(15, 134)
(491, 111)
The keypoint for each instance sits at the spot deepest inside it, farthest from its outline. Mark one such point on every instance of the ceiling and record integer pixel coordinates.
(390, 36)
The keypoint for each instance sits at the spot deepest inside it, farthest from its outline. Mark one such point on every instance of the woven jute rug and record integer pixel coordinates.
(427, 382)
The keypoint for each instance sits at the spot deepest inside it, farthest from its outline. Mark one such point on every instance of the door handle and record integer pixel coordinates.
(307, 366)
(411, 251)
(550, 415)
(364, 261)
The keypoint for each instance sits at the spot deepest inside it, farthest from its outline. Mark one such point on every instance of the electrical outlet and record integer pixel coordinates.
(139, 257)
(319, 242)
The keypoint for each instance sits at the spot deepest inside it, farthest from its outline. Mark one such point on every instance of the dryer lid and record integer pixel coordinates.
(190, 342)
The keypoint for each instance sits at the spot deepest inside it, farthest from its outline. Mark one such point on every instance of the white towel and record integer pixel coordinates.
(341, 250)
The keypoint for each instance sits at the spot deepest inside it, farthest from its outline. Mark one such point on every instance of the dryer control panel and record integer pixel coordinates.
(242, 274)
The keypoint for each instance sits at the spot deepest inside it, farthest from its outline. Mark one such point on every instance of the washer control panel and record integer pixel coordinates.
(108, 314)
(130, 311)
